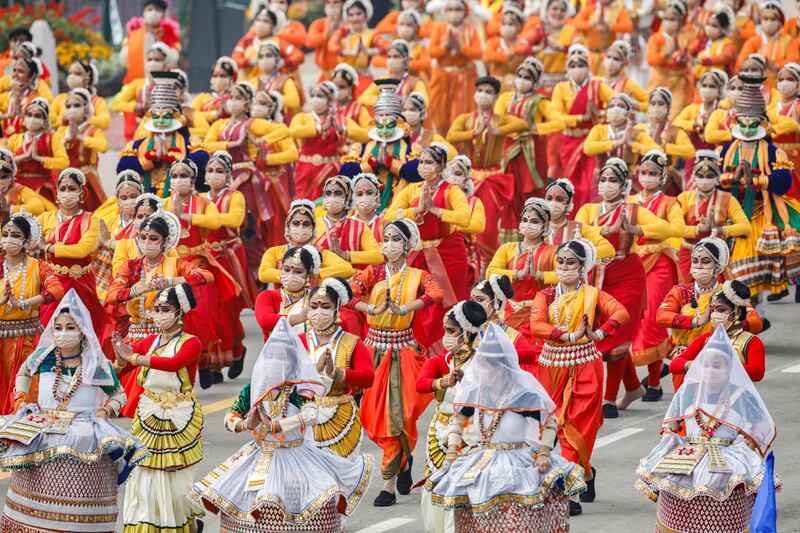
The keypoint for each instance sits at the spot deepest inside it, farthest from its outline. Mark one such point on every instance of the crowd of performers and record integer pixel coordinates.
(503, 224)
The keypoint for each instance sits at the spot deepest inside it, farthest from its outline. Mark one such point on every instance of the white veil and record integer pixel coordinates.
(495, 381)
(718, 387)
(284, 360)
(96, 367)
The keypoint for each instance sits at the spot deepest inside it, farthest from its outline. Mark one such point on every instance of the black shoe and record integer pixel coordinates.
(236, 368)
(653, 394)
(217, 377)
(765, 325)
(200, 526)
(589, 495)
(385, 499)
(575, 508)
(664, 371)
(610, 411)
(778, 297)
(404, 481)
(797, 294)
(206, 377)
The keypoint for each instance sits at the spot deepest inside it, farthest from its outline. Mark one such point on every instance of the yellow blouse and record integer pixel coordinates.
(100, 119)
(738, 225)
(599, 142)
(564, 96)
(682, 147)
(304, 126)
(30, 200)
(33, 287)
(332, 265)
(125, 100)
(604, 248)
(58, 161)
(369, 252)
(126, 249)
(456, 211)
(506, 256)
(477, 219)
(234, 217)
(546, 117)
(652, 226)
(199, 101)
(96, 142)
(85, 246)
(289, 92)
(632, 89)
(208, 219)
(674, 216)
(275, 134)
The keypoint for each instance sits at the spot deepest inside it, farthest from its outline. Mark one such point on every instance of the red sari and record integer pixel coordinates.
(77, 274)
(579, 166)
(318, 161)
(31, 173)
(790, 143)
(717, 204)
(81, 157)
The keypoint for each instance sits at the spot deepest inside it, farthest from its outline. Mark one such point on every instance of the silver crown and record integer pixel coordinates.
(387, 101)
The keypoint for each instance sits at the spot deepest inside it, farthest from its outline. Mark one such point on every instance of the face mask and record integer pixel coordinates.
(262, 28)
(406, 32)
(451, 344)
(68, 199)
(556, 209)
(770, 26)
(67, 339)
(150, 249)
(454, 18)
(612, 65)
(74, 81)
(701, 275)
(182, 186)
(787, 88)
(396, 65)
(153, 17)
(568, 276)
(412, 117)
(711, 31)
(219, 85)
(75, 113)
(608, 190)
(127, 205)
(321, 318)
(332, 11)
(365, 203)
(154, 66)
(721, 319)
(259, 111)
(483, 99)
(577, 74)
(392, 250)
(164, 321)
(616, 114)
(267, 64)
(705, 186)
(12, 246)
(530, 229)
(708, 94)
(334, 204)
(216, 181)
(523, 85)
(508, 32)
(292, 282)
(647, 181)
(427, 172)
(300, 235)
(318, 104)
(33, 123)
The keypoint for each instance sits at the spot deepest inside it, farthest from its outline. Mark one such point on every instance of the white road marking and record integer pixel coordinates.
(617, 435)
(794, 369)
(386, 525)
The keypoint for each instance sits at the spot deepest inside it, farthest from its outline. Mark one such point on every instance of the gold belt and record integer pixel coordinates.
(75, 271)
(219, 246)
(575, 132)
(248, 165)
(331, 401)
(168, 400)
(433, 243)
(318, 159)
(516, 305)
(184, 251)
(274, 444)
(715, 441)
(652, 248)
(504, 445)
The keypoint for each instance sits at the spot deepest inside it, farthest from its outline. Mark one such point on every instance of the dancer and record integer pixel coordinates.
(15, 196)
(617, 58)
(715, 435)
(399, 333)
(29, 282)
(355, 44)
(289, 299)
(457, 173)
(505, 52)
(318, 38)
(398, 61)
(82, 75)
(598, 26)
(168, 419)
(776, 47)
(715, 48)
(559, 198)
(621, 277)
(506, 476)
(669, 57)
(415, 115)
(366, 200)
(267, 76)
(22, 91)
(211, 105)
(280, 480)
(440, 375)
(570, 366)
(68, 459)
(789, 89)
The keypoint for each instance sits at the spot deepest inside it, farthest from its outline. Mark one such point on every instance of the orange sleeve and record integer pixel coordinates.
(362, 283)
(624, 24)
(437, 39)
(750, 47)
(581, 21)
(494, 53)
(654, 56)
(792, 54)
(238, 52)
(388, 24)
(317, 34)
(540, 319)
(669, 314)
(433, 293)
(294, 33)
(421, 64)
(614, 313)
(52, 290)
(194, 275)
(471, 49)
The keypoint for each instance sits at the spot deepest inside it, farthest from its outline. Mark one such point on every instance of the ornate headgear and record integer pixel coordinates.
(664, 93)
(414, 14)
(366, 5)
(164, 94)
(679, 6)
(624, 47)
(773, 5)
(148, 196)
(541, 207)
(35, 225)
(273, 47)
(368, 177)
(187, 163)
(328, 88)
(707, 160)
(222, 156)
(793, 69)
(489, 80)
(716, 248)
(516, 12)
(173, 226)
(627, 100)
(462, 161)
(589, 252)
(228, 64)
(336, 286)
(346, 185)
(387, 101)
(565, 185)
(725, 16)
(419, 101)
(161, 48)
(129, 177)
(719, 77)
(183, 300)
(306, 207)
(438, 151)
(246, 88)
(316, 258)
(729, 292)
(577, 52)
(347, 73)
(532, 66)
(410, 226)
(657, 158)
(618, 166)
(41, 104)
(7, 161)
(402, 46)
(494, 284)
(73, 173)
(457, 314)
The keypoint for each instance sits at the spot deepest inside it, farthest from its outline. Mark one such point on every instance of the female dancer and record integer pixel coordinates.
(398, 334)
(268, 77)
(299, 231)
(454, 45)
(686, 309)
(715, 47)
(440, 209)
(579, 100)
(261, 151)
(558, 197)
(82, 75)
(789, 89)
(366, 199)
(267, 23)
(291, 485)
(397, 62)
(212, 105)
(598, 26)
(621, 224)
(776, 47)
(440, 375)
(69, 239)
(345, 366)
(13, 196)
(354, 43)
(707, 210)
(651, 342)
(21, 93)
(228, 250)
(318, 37)
(457, 173)
(66, 473)
(710, 462)
(617, 57)
(552, 50)
(728, 306)
(36, 151)
(145, 205)
(668, 56)
(508, 479)
(140, 278)
(570, 366)
(28, 283)
(289, 299)
(115, 225)
(415, 114)
(168, 419)
(504, 53)
(348, 105)
(675, 143)
(529, 263)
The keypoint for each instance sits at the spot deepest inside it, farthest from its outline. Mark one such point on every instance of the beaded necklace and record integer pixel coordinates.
(145, 314)
(714, 421)
(12, 275)
(162, 344)
(488, 433)
(556, 311)
(403, 273)
(697, 203)
(698, 291)
(58, 368)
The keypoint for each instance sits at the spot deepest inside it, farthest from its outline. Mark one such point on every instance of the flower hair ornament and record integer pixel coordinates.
(73, 173)
(414, 240)
(369, 177)
(180, 294)
(499, 295)
(730, 294)
(152, 197)
(7, 161)
(457, 313)
(316, 258)
(589, 251)
(719, 244)
(336, 286)
(568, 188)
(174, 225)
(541, 207)
(129, 177)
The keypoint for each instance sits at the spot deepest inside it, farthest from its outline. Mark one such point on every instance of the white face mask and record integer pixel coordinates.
(608, 191)
(259, 111)
(219, 85)
(69, 199)
(612, 65)
(153, 17)
(616, 114)
(523, 85)
(396, 64)
(392, 250)
(451, 344)
(787, 88)
(300, 235)
(721, 319)
(127, 205)
(333, 204)
(568, 276)
(427, 172)
(75, 114)
(292, 282)
(648, 181)
(483, 99)
(578, 74)
(556, 209)
(164, 321)
(68, 340)
(366, 203)
(150, 249)
(530, 229)
(235, 107)
(267, 64)
(318, 104)
(703, 276)
(708, 94)
(454, 18)
(508, 31)
(216, 180)
(334, 12)
(321, 318)
(412, 117)
(262, 28)
(154, 66)
(75, 81)
(33, 123)
(12, 246)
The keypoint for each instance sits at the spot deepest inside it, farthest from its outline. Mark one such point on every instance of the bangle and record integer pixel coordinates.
(403, 310)
(371, 309)
(571, 337)
(135, 359)
(437, 385)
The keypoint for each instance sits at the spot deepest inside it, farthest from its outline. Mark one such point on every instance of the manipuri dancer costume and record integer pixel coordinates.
(280, 481)
(67, 459)
(705, 472)
(511, 481)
